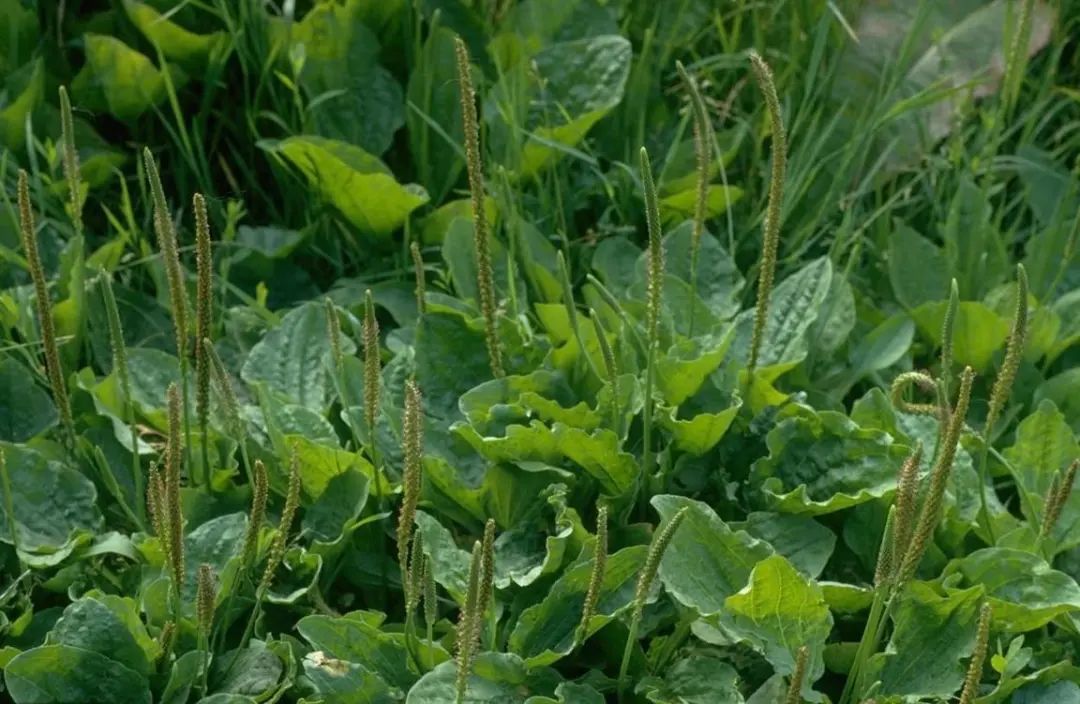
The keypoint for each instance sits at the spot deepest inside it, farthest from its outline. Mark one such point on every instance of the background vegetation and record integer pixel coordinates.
(278, 423)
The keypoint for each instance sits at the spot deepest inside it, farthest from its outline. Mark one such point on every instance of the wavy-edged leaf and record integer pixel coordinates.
(56, 674)
(358, 184)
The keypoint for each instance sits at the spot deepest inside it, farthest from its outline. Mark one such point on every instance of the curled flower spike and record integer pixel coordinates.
(921, 380)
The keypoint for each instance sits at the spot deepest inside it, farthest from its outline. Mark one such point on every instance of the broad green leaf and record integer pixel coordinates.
(253, 671)
(974, 248)
(1067, 309)
(979, 332)
(600, 454)
(119, 79)
(529, 26)
(793, 308)
(545, 632)
(836, 319)
(917, 268)
(1062, 390)
(496, 678)
(28, 85)
(823, 462)
(335, 512)
(342, 682)
(25, 408)
(54, 505)
(570, 693)
(699, 432)
(190, 50)
(185, 675)
(61, 674)
(19, 26)
(321, 464)
(583, 80)
(492, 405)
(706, 561)
(272, 242)
(1044, 446)
(449, 563)
(684, 368)
(779, 612)
(359, 101)
(1024, 591)
(436, 225)
(883, 346)
(434, 110)
(719, 280)
(931, 640)
(360, 186)
(684, 203)
(217, 543)
(806, 544)
(697, 679)
(357, 638)
(108, 625)
(293, 359)
(441, 337)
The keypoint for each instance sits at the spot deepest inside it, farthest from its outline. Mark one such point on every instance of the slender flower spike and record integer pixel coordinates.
(652, 560)
(487, 571)
(771, 240)
(703, 139)
(53, 369)
(794, 693)
(431, 603)
(223, 386)
(656, 251)
(260, 493)
(907, 489)
(418, 270)
(485, 279)
(413, 579)
(412, 430)
(170, 254)
(930, 514)
(288, 512)
(70, 157)
(203, 310)
(1014, 350)
(155, 504)
(174, 518)
(978, 656)
(333, 331)
(372, 366)
(596, 577)
(1060, 491)
(165, 639)
(204, 599)
(948, 329)
(466, 646)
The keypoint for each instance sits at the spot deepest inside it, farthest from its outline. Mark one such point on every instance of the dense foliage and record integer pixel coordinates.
(708, 352)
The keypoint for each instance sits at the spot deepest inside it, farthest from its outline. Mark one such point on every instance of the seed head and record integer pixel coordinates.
(1014, 351)
(939, 477)
(333, 331)
(53, 368)
(431, 604)
(656, 251)
(907, 490)
(484, 276)
(947, 334)
(771, 235)
(596, 577)
(412, 430)
(1060, 491)
(418, 270)
(173, 514)
(794, 693)
(372, 364)
(223, 385)
(884, 570)
(466, 645)
(204, 599)
(203, 309)
(260, 493)
(170, 254)
(978, 656)
(652, 561)
(70, 157)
